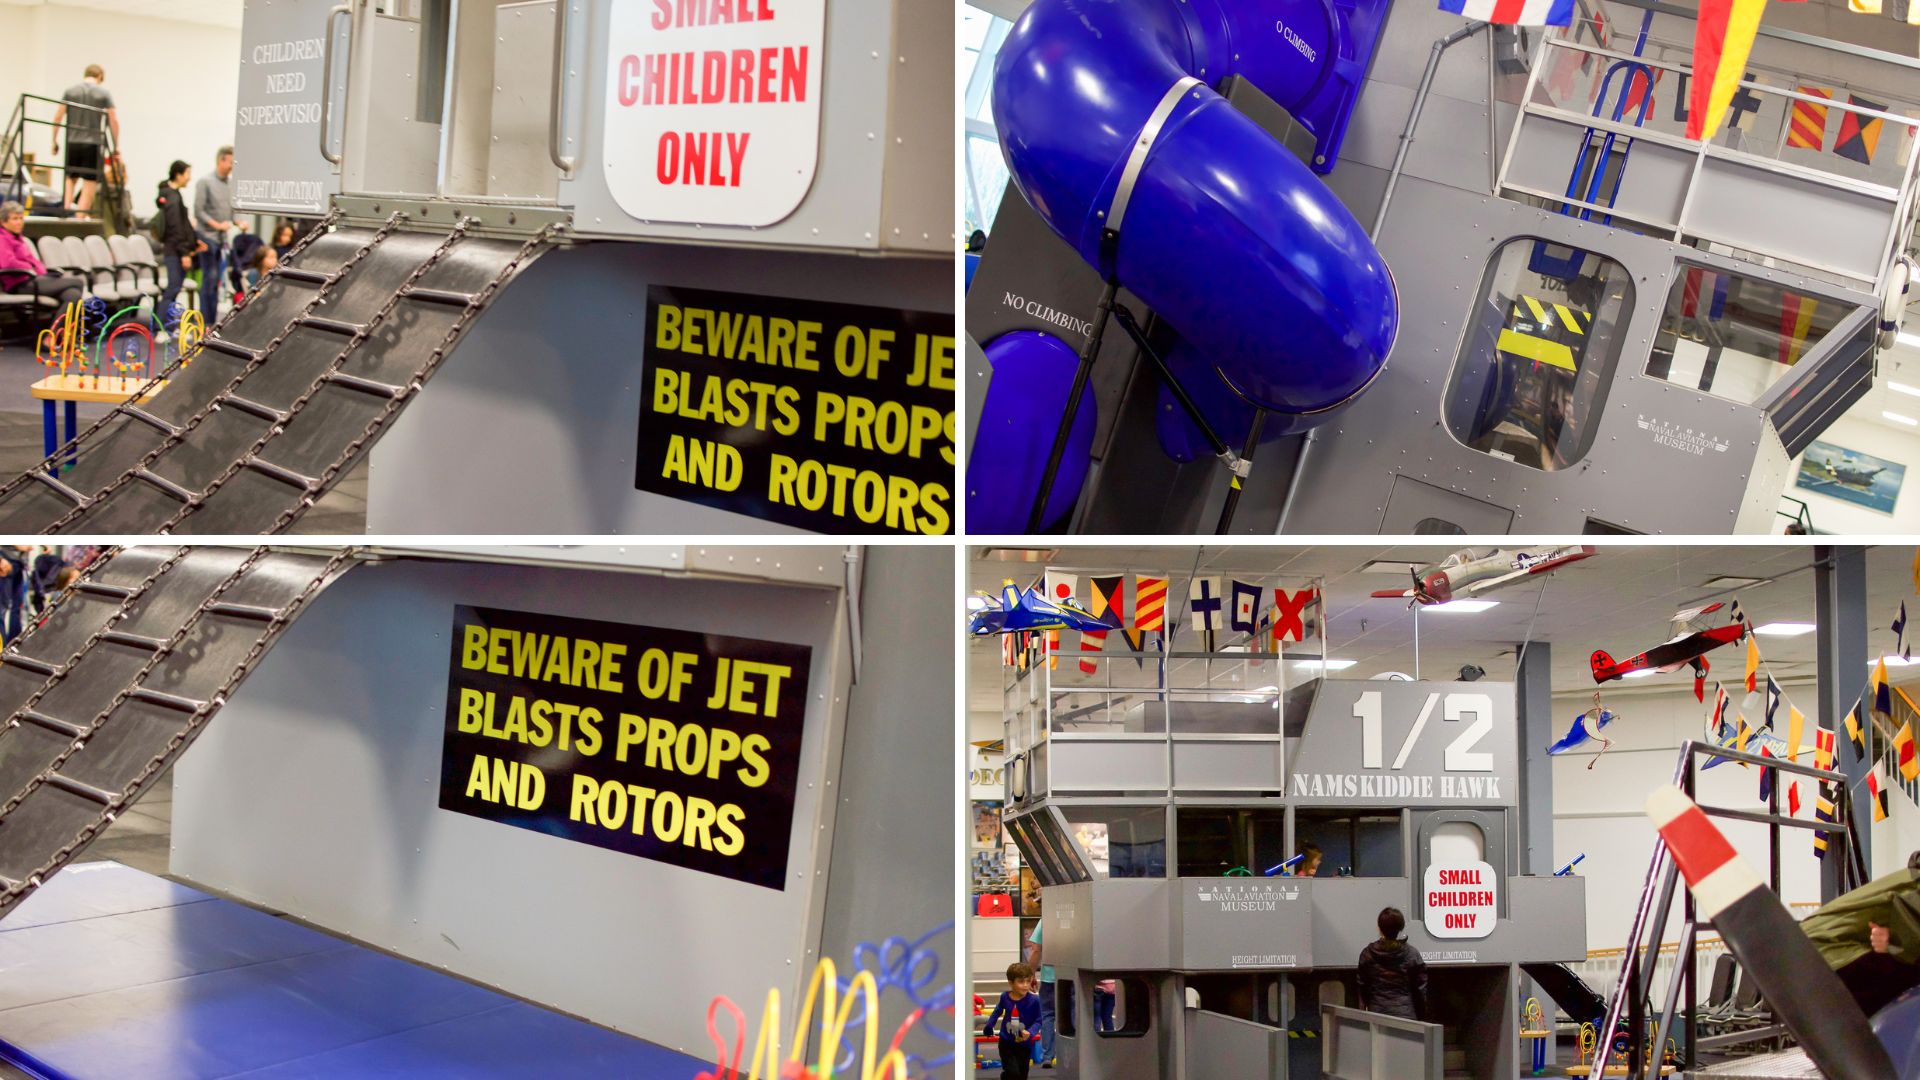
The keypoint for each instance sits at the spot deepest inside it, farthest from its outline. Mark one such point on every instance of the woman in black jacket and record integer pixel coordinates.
(178, 242)
(1393, 974)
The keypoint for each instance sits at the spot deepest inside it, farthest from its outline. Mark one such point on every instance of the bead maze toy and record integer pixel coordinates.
(77, 348)
(908, 966)
(1533, 1025)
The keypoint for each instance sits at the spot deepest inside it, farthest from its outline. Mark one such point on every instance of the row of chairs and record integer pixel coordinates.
(122, 270)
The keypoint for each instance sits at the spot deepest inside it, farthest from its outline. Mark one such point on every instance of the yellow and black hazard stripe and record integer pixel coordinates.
(1544, 332)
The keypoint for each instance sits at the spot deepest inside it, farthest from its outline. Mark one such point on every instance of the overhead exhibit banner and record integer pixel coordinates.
(670, 745)
(832, 417)
(713, 108)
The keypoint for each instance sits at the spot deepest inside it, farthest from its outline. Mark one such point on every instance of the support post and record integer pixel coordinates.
(1840, 611)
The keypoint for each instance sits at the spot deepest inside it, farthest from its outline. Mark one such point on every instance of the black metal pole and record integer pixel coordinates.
(1234, 486)
(1036, 518)
(1125, 319)
(1691, 1040)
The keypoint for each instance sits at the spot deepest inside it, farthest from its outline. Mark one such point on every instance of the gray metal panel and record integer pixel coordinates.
(320, 799)
(535, 425)
(387, 150)
(1739, 204)
(1229, 765)
(1361, 1045)
(1110, 924)
(1227, 1046)
(894, 844)
(1095, 765)
(277, 163)
(517, 165)
(1415, 507)
(1243, 923)
(1546, 922)
(1331, 752)
(1636, 476)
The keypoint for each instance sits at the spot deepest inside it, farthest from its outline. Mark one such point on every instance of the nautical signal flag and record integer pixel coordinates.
(1717, 724)
(1822, 748)
(1882, 692)
(1807, 127)
(1105, 599)
(1053, 650)
(1797, 313)
(1853, 731)
(1822, 811)
(1900, 626)
(1793, 799)
(1877, 791)
(1722, 38)
(1712, 284)
(1514, 12)
(1203, 607)
(1900, 10)
(1149, 603)
(1859, 136)
(1753, 668)
(1289, 614)
(1795, 723)
(1903, 752)
(1766, 775)
(1091, 641)
(1245, 615)
(1773, 703)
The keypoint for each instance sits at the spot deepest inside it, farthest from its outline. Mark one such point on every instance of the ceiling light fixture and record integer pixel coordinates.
(1786, 629)
(1903, 388)
(1464, 607)
(1329, 665)
(1899, 419)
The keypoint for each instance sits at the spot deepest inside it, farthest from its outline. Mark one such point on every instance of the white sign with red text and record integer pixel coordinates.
(713, 108)
(1461, 899)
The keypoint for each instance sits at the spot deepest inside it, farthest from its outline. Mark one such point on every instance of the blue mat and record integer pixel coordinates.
(110, 972)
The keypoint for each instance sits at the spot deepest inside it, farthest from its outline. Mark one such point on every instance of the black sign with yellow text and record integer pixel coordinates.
(666, 744)
(831, 417)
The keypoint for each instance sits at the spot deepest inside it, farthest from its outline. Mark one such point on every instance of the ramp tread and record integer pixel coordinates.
(271, 394)
(86, 741)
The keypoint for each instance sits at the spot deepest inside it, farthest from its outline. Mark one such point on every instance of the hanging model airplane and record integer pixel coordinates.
(1687, 646)
(1467, 571)
(1586, 727)
(1028, 611)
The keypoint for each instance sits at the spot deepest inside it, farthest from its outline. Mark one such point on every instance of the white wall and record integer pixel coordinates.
(1831, 515)
(175, 84)
(1599, 811)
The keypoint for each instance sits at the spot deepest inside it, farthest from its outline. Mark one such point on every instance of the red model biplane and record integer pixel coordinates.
(1688, 645)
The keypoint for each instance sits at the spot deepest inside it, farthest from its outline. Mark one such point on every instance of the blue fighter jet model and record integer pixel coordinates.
(1587, 727)
(1028, 611)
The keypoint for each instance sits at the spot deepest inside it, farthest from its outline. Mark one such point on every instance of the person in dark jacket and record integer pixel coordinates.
(1393, 975)
(178, 242)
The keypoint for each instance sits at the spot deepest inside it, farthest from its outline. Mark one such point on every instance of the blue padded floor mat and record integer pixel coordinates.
(107, 971)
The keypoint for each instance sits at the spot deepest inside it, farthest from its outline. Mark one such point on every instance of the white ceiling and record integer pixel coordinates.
(1620, 601)
(223, 13)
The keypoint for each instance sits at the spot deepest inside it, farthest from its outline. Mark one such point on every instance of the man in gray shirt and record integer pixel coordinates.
(213, 215)
(86, 151)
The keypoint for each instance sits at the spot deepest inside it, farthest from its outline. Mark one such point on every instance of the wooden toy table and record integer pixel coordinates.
(73, 389)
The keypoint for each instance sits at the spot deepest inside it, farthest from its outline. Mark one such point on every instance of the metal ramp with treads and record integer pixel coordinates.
(289, 390)
(124, 673)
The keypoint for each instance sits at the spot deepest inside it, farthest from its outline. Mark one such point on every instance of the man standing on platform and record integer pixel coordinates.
(93, 114)
(213, 210)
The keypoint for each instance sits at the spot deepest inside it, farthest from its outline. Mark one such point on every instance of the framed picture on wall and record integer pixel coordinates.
(1840, 473)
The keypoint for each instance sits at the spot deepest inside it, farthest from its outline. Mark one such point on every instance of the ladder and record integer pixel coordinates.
(286, 392)
(1630, 1008)
(126, 670)
(110, 206)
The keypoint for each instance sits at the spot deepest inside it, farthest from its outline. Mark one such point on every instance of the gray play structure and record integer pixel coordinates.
(696, 266)
(1156, 800)
(304, 695)
(1720, 303)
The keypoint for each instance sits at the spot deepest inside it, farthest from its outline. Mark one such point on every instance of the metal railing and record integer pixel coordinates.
(14, 167)
(1631, 998)
(1681, 227)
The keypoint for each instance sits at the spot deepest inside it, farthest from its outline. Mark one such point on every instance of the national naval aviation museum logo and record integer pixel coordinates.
(1666, 433)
